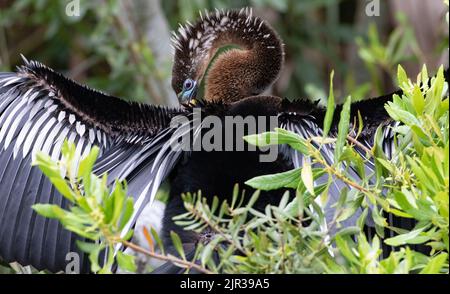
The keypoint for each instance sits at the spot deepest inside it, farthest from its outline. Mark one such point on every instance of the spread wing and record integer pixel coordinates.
(39, 109)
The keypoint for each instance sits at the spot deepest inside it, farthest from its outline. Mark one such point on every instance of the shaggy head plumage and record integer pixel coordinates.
(237, 73)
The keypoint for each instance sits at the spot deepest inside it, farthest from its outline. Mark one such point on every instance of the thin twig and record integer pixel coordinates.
(356, 142)
(169, 258)
(338, 174)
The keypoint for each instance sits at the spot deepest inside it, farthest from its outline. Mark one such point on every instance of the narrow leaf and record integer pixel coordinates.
(330, 108)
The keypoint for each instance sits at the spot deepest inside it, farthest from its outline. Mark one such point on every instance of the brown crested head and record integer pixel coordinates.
(236, 73)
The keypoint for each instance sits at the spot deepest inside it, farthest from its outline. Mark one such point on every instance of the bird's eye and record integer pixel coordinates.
(188, 85)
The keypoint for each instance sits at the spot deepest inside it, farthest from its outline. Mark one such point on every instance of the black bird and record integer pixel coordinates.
(39, 108)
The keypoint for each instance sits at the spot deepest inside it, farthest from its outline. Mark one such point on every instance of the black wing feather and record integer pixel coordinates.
(39, 109)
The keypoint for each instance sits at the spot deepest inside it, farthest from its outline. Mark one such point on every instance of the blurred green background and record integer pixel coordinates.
(123, 47)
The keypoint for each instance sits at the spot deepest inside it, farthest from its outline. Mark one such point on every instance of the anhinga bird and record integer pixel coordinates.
(39, 108)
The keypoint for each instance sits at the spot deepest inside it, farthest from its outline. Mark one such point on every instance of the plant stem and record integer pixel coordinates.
(339, 175)
(357, 143)
(170, 258)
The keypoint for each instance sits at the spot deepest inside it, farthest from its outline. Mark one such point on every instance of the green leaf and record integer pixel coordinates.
(68, 151)
(263, 139)
(418, 100)
(402, 77)
(330, 108)
(399, 114)
(287, 179)
(380, 222)
(157, 239)
(63, 188)
(307, 176)
(127, 213)
(361, 222)
(406, 200)
(118, 196)
(349, 211)
(49, 210)
(349, 231)
(87, 247)
(126, 261)
(88, 162)
(47, 166)
(386, 164)
(408, 238)
(280, 136)
(343, 127)
(176, 241)
(93, 258)
(435, 265)
(128, 235)
(424, 76)
(253, 199)
(345, 249)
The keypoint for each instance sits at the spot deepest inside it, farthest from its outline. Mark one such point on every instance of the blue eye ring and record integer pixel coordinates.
(188, 85)
(189, 90)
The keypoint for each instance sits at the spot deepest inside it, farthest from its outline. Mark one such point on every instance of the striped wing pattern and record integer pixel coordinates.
(34, 116)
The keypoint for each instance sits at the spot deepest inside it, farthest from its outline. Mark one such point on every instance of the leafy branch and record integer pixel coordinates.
(96, 213)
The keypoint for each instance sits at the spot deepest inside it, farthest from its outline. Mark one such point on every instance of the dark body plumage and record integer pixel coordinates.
(216, 173)
(40, 108)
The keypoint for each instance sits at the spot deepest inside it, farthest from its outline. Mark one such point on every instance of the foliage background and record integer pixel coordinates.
(123, 47)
